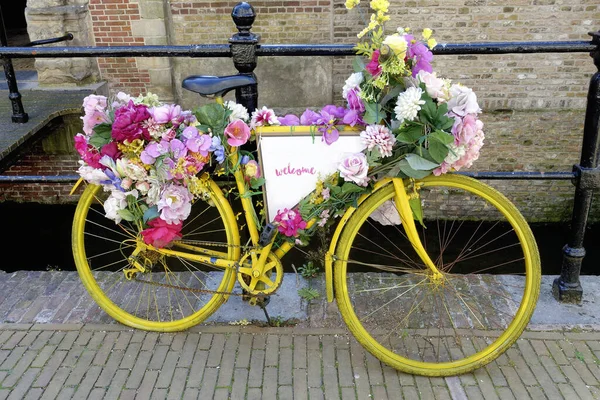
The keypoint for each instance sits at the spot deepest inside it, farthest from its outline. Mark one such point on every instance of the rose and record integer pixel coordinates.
(91, 174)
(252, 169)
(237, 133)
(128, 123)
(166, 113)
(175, 204)
(435, 87)
(116, 202)
(92, 119)
(161, 233)
(462, 101)
(397, 43)
(354, 168)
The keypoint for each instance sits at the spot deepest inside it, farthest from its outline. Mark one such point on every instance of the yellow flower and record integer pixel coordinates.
(380, 5)
(397, 43)
(350, 4)
(427, 33)
(431, 43)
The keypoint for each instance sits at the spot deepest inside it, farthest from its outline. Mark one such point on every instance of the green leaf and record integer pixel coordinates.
(350, 187)
(101, 135)
(150, 214)
(391, 94)
(411, 172)
(358, 64)
(415, 206)
(126, 215)
(256, 183)
(445, 123)
(373, 113)
(212, 114)
(441, 137)
(438, 150)
(334, 189)
(410, 133)
(419, 163)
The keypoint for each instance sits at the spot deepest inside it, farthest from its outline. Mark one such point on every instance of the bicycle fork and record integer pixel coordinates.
(408, 222)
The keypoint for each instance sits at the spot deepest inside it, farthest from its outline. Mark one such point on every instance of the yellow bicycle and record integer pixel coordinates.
(439, 298)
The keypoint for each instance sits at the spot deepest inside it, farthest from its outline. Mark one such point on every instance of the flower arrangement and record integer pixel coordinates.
(149, 155)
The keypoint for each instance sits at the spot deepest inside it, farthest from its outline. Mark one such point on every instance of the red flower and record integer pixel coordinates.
(128, 123)
(289, 222)
(161, 233)
(373, 66)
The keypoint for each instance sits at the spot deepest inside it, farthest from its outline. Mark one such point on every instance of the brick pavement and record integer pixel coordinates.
(55, 343)
(98, 361)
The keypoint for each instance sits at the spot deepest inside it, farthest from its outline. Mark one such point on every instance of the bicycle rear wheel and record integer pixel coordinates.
(490, 281)
(176, 293)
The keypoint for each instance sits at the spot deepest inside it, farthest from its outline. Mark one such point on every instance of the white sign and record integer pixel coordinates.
(293, 159)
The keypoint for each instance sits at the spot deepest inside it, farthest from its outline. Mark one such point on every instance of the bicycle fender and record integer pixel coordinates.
(329, 256)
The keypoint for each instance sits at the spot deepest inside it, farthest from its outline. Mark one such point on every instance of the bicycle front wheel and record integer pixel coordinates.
(425, 324)
(175, 293)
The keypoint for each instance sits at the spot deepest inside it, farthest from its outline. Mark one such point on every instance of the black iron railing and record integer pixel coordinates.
(244, 49)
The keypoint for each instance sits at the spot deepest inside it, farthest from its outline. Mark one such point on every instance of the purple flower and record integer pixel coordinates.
(289, 120)
(309, 117)
(128, 123)
(178, 149)
(354, 101)
(196, 142)
(153, 151)
(352, 118)
(422, 57)
(337, 112)
(217, 148)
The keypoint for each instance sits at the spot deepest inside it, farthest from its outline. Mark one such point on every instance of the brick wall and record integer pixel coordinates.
(111, 26)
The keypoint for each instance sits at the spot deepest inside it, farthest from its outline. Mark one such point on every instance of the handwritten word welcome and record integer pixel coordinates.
(295, 171)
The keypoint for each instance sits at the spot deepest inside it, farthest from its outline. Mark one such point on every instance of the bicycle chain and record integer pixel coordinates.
(214, 244)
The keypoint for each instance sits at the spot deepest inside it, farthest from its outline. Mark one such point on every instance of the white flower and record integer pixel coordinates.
(153, 193)
(116, 202)
(352, 82)
(126, 168)
(462, 101)
(436, 87)
(455, 153)
(264, 117)
(378, 136)
(354, 168)
(238, 111)
(408, 104)
(90, 174)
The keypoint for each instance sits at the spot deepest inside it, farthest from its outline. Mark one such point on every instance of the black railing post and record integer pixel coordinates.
(567, 287)
(243, 51)
(18, 112)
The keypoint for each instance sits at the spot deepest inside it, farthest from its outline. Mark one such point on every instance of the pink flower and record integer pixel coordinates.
(237, 133)
(88, 153)
(465, 129)
(166, 113)
(90, 120)
(289, 222)
(252, 169)
(263, 117)
(161, 233)
(354, 168)
(175, 204)
(378, 136)
(94, 103)
(373, 66)
(128, 123)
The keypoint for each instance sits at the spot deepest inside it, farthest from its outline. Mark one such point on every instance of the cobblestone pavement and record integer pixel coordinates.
(56, 344)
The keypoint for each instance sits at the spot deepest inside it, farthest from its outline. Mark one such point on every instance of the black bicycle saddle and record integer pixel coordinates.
(216, 85)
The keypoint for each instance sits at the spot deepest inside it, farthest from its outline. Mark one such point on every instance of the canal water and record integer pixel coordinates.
(38, 237)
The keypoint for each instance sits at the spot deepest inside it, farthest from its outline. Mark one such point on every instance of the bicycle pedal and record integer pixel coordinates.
(267, 234)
